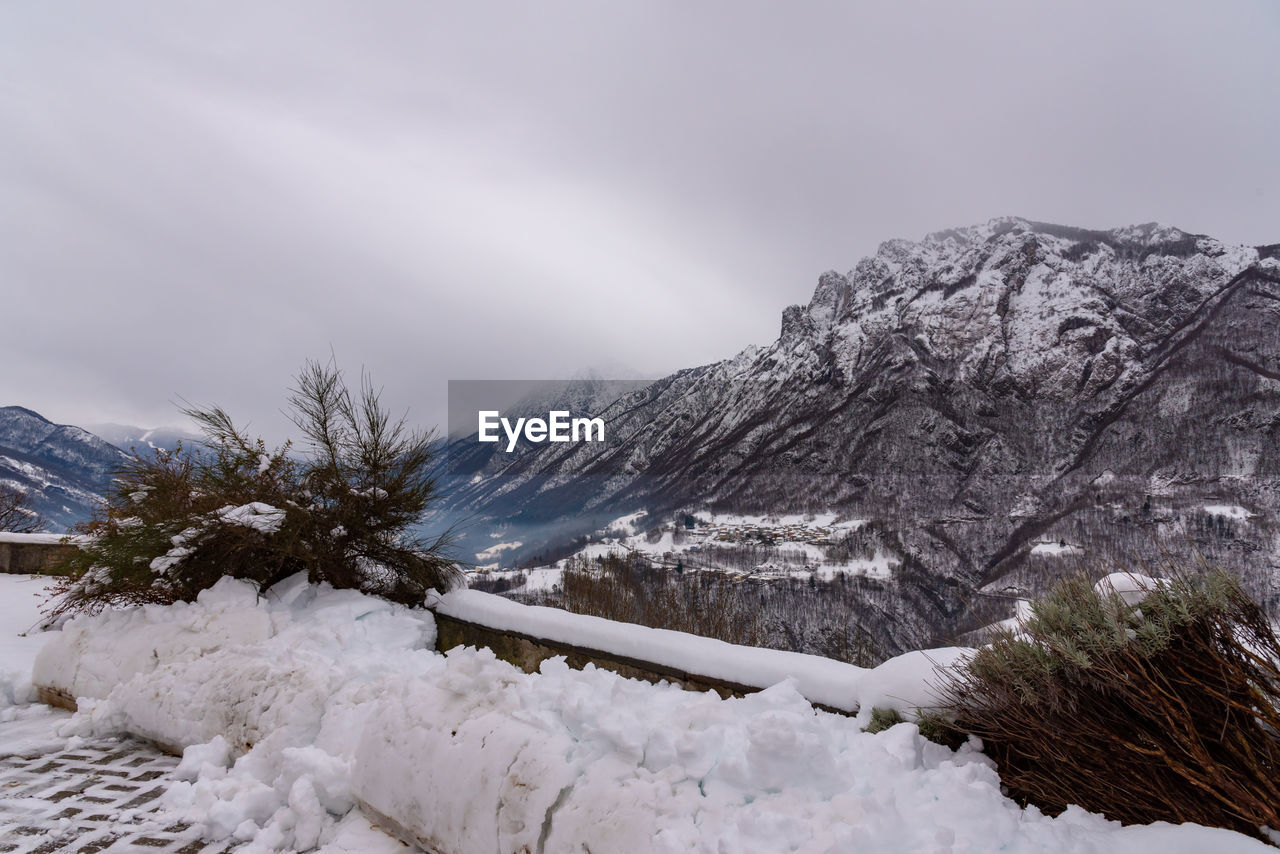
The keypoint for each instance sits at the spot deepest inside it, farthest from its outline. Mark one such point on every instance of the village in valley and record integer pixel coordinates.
(743, 547)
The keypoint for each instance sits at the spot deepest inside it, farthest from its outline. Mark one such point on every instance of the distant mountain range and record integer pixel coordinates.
(972, 395)
(64, 470)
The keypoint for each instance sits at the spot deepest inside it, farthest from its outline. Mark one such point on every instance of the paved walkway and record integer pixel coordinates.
(100, 797)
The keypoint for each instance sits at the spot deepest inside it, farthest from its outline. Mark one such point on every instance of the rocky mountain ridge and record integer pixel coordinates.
(971, 393)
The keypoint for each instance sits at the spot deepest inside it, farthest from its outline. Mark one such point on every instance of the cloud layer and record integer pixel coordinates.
(198, 198)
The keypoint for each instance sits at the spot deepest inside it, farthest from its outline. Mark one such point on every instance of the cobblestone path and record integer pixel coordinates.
(99, 797)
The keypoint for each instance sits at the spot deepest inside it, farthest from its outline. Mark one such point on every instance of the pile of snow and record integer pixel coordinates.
(297, 705)
(19, 612)
(268, 693)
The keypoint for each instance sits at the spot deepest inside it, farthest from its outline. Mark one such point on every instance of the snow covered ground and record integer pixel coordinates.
(1230, 511)
(1053, 549)
(29, 728)
(297, 705)
(23, 725)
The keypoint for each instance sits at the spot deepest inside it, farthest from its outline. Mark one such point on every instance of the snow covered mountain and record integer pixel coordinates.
(975, 395)
(64, 470)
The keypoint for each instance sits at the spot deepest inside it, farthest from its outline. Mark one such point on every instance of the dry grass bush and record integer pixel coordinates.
(1165, 710)
(177, 521)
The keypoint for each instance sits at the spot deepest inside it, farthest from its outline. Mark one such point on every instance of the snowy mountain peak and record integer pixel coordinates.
(1026, 300)
(968, 389)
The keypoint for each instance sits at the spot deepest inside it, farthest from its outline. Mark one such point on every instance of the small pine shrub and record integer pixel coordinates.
(938, 729)
(1163, 710)
(934, 727)
(343, 512)
(882, 719)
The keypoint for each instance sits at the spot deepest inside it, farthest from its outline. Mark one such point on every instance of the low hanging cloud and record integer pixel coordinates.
(198, 198)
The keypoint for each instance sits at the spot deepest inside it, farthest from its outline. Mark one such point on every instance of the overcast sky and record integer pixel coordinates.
(195, 198)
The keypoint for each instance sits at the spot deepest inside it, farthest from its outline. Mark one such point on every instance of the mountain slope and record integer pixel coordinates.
(64, 470)
(972, 393)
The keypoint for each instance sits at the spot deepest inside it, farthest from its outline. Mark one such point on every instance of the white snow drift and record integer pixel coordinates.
(297, 705)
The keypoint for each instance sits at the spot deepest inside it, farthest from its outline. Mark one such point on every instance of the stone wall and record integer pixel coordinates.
(528, 652)
(31, 558)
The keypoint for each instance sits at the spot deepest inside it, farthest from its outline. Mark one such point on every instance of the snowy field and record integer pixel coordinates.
(300, 707)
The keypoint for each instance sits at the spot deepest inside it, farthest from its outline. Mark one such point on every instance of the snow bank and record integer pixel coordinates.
(590, 761)
(298, 704)
(19, 611)
(267, 693)
(82, 665)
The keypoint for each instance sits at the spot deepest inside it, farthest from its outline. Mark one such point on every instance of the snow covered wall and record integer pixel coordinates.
(693, 661)
(296, 706)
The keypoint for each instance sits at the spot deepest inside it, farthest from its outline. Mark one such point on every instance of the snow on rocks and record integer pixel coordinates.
(298, 704)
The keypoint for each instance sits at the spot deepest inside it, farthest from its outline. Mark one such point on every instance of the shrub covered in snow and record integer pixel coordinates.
(177, 521)
(1144, 702)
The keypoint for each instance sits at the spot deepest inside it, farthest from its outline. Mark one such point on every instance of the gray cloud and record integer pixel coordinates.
(197, 198)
